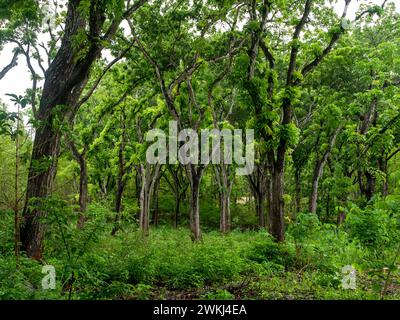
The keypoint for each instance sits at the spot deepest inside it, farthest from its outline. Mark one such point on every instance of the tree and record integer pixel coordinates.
(275, 94)
(179, 186)
(177, 82)
(65, 80)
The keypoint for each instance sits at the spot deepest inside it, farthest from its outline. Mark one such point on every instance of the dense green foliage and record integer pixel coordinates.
(77, 192)
(241, 265)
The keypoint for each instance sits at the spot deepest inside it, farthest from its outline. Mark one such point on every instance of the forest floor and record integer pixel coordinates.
(167, 265)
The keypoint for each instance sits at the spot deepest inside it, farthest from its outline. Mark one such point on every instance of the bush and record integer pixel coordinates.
(273, 255)
(369, 226)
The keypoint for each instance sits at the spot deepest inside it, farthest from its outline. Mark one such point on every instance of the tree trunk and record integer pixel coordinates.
(150, 173)
(195, 211)
(195, 174)
(341, 218)
(269, 197)
(369, 185)
(225, 184)
(83, 193)
(16, 190)
(65, 80)
(83, 182)
(277, 205)
(144, 210)
(177, 210)
(383, 168)
(40, 183)
(369, 119)
(298, 190)
(156, 202)
(179, 187)
(225, 219)
(318, 171)
(261, 190)
(260, 209)
(121, 175)
(314, 189)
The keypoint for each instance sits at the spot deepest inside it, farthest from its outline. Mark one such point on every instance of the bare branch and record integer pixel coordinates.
(39, 60)
(126, 15)
(166, 93)
(393, 154)
(335, 38)
(295, 46)
(12, 64)
(106, 69)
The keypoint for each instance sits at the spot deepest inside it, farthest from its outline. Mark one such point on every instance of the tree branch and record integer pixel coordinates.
(335, 38)
(295, 46)
(97, 82)
(12, 64)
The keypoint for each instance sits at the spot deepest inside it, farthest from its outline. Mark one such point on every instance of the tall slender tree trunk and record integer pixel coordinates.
(156, 202)
(179, 187)
(314, 189)
(318, 171)
(195, 211)
(138, 188)
(298, 190)
(144, 210)
(366, 183)
(121, 175)
(80, 157)
(261, 190)
(277, 205)
(366, 179)
(369, 185)
(83, 193)
(150, 174)
(16, 190)
(225, 184)
(269, 197)
(260, 209)
(384, 169)
(225, 214)
(195, 174)
(177, 210)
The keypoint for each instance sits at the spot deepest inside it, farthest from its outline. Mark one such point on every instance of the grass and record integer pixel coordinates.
(167, 265)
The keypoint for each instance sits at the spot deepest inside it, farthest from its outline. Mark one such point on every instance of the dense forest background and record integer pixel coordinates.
(320, 88)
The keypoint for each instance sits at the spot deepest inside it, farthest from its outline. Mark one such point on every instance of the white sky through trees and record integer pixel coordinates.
(19, 78)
